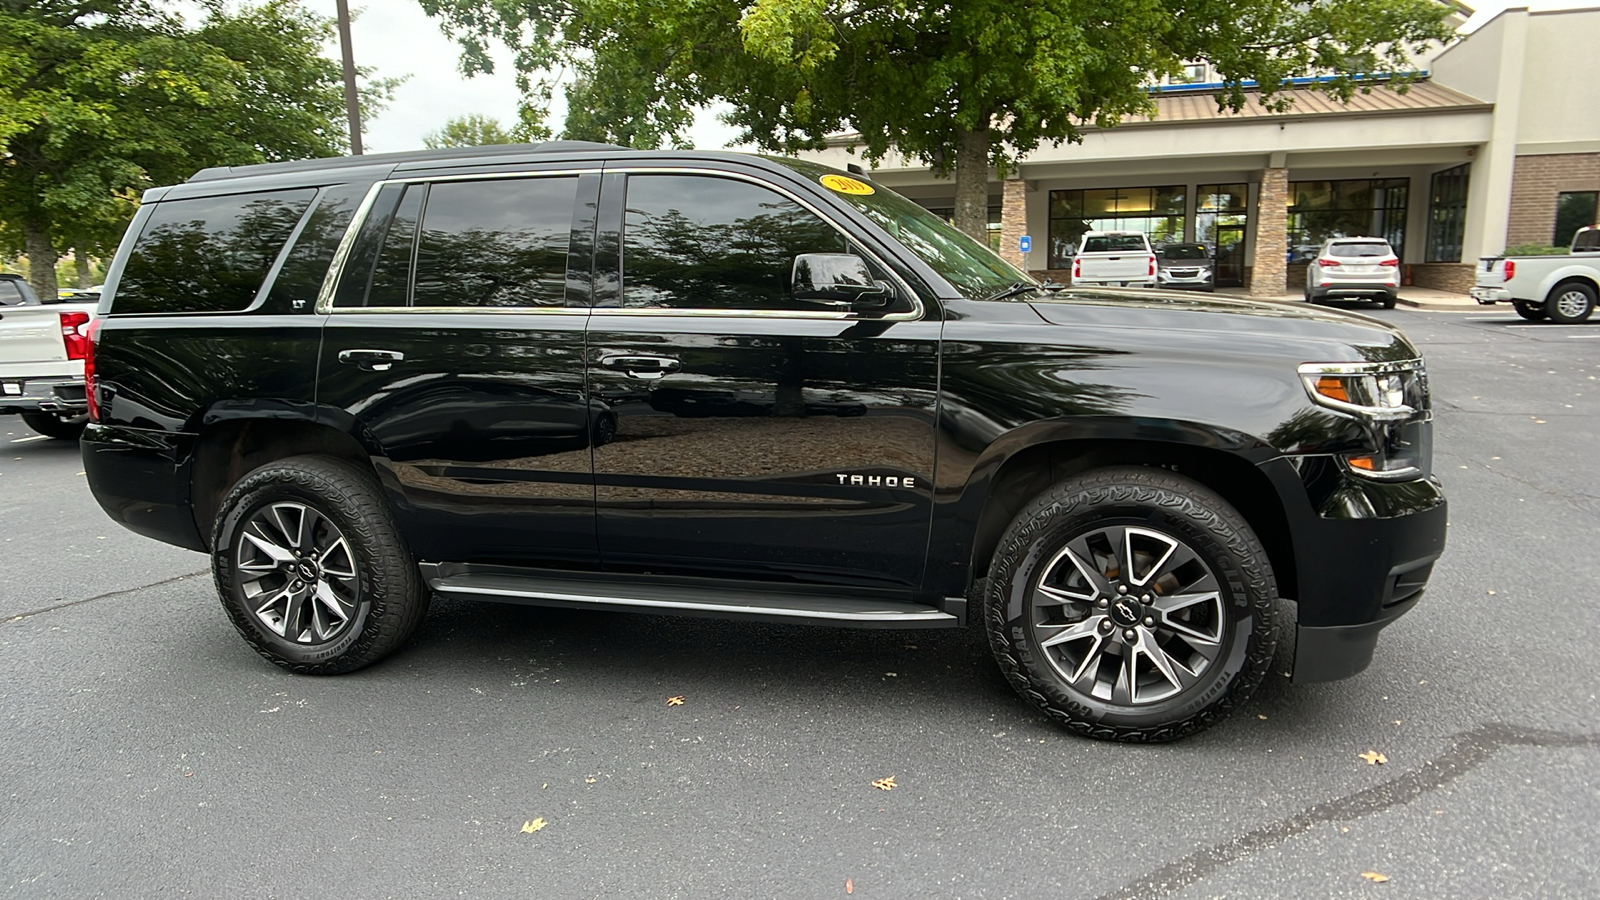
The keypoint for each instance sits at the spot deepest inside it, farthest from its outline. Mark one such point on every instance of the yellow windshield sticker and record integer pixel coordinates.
(844, 184)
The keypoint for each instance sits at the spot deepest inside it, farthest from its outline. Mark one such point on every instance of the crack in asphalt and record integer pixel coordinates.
(1471, 749)
(106, 596)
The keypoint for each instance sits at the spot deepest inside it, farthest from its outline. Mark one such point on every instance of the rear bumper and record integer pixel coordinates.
(1363, 552)
(1115, 282)
(1354, 289)
(57, 395)
(1490, 295)
(141, 479)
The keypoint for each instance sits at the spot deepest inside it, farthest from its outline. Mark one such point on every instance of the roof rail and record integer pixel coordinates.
(219, 173)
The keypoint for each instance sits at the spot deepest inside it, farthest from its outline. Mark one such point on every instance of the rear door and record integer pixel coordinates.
(453, 350)
(753, 436)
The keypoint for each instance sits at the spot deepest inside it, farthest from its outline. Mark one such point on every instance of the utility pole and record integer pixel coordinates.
(351, 100)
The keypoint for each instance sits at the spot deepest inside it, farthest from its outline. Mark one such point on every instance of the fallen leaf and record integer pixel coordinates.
(675, 701)
(849, 886)
(1491, 593)
(589, 780)
(1260, 716)
(534, 825)
(1374, 877)
(885, 784)
(891, 675)
(1374, 758)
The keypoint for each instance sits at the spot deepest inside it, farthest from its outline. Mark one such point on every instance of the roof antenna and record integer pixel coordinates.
(855, 169)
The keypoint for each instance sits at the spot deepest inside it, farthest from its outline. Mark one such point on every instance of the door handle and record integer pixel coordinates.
(371, 360)
(645, 367)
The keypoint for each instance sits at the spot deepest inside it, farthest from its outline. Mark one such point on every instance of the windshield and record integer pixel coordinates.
(1371, 248)
(1184, 251)
(1112, 243)
(974, 269)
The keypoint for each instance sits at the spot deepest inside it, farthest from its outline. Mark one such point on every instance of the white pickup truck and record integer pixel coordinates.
(1559, 288)
(42, 349)
(1115, 258)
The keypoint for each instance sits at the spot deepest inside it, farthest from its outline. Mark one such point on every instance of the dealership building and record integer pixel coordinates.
(1495, 144)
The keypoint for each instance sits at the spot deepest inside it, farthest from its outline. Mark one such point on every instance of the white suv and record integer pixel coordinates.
(1359, 267)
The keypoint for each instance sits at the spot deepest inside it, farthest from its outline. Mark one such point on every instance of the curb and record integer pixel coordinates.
(1440, 305)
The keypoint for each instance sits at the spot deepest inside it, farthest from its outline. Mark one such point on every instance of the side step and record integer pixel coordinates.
(682, 596)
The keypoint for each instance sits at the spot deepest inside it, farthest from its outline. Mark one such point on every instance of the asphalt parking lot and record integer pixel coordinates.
(148, 752)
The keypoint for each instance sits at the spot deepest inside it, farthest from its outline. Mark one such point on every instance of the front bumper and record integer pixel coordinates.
(1363, 552)
(1490, 295)
(57, 395)
(1180, 282)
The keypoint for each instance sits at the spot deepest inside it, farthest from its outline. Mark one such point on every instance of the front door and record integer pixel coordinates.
(753, 436)
(1230, 255)
(454, 352)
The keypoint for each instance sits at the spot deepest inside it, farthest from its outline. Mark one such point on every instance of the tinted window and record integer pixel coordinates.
(357, 275)
(1359, 250)
(393, 270)
(300, 279)
(208, 254)
(1185, 251)
(495, 243)
(10, 294)
(1113, 243)
(697, 242)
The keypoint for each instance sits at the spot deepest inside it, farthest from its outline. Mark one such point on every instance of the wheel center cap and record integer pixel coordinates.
(1125, 612)
(307, 571)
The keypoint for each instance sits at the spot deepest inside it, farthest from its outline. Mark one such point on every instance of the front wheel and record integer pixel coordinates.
(1570, 303)
(311, 567)
(1533, 312)
(1131, 604)
(62, 428)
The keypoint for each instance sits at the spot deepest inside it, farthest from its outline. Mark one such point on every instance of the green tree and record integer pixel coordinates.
(100, 99)
(960, 85)
(477, 130)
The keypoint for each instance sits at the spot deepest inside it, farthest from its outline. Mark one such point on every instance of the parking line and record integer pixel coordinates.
(1583, 337)
(46, 437)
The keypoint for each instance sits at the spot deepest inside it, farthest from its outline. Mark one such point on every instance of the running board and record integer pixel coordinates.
(681, 596)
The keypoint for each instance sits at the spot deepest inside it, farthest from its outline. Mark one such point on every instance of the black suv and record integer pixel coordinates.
(725, 385)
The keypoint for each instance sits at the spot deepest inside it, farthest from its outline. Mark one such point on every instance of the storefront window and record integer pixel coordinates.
(1221, 213)
(1447, 214)
(1319, 210)
(1156, 211)
(1574, 209)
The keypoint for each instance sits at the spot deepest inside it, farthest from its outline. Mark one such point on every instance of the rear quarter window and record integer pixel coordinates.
(208, 254)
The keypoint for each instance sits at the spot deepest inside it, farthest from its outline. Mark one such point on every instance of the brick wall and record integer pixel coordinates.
(1535, 181)
(1013, 220)
(1455, 277)
(1268, 275)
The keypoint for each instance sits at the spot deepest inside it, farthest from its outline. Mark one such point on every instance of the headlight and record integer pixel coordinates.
(1392, 398)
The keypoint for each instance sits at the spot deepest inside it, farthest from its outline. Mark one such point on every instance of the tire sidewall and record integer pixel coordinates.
(1017, 568)
(254, 493)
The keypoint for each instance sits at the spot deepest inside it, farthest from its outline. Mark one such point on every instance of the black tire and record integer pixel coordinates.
(1388, 300)
(1570, 303)
(1533, 312)
(1237, 620)
(381, 602)
(62, 428)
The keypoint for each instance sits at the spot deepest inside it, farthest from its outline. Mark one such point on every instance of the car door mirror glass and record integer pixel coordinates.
(837, 279)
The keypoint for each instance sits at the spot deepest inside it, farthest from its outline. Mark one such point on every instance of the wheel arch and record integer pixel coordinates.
(1562, 277)
(227, 449)
(1023, 474)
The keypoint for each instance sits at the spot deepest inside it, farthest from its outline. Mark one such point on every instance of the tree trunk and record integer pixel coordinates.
(972, 183)
(80, 265)
(41, 257)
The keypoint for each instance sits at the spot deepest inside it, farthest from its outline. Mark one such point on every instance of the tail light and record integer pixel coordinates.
(72, 333)
(1152, 265)
(1393, 263)
(1327, 263)
(1511, 269)
(1077, 269)
(90, 382)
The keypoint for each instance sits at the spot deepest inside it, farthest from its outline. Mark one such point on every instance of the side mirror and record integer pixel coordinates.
(836, 279)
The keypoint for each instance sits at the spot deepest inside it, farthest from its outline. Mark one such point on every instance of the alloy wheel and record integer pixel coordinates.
(296, 573)
(1572, 303)
(1128, 615)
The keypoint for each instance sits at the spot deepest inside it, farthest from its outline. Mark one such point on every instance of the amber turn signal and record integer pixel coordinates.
(1332, 388)
(1365, 463)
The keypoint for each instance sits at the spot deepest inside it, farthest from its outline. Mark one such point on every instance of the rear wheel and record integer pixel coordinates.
(62, 428)
(1388, 300)
(1131, 604)
(1533, 312)
(312, 569)
(1570, 303)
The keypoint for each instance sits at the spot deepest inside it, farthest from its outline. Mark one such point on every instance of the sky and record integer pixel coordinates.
(396, 38)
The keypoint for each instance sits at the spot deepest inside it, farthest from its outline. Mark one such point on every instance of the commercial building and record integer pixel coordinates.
(1496, 144)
